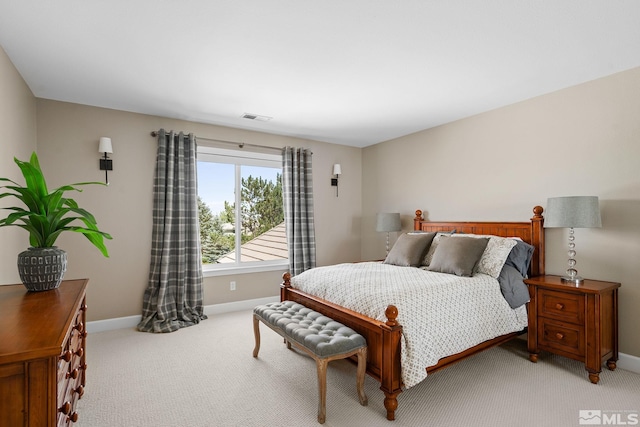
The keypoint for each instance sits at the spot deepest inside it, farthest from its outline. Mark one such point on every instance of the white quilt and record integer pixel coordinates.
(441, 314)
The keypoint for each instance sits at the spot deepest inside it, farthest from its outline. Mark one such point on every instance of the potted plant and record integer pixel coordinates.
(45, 215)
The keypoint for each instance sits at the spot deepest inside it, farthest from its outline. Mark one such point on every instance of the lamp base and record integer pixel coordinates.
(576, 280)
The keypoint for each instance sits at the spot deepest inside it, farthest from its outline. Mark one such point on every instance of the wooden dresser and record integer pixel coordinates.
(575, 321)
(42, 354)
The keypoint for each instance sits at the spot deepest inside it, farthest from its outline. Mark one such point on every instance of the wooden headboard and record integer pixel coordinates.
(531, 232)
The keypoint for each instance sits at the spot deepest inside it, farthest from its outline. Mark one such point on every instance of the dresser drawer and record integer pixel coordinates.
(563, 306)
(562, 337)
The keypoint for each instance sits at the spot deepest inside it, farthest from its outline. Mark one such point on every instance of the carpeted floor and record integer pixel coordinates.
(205, 376)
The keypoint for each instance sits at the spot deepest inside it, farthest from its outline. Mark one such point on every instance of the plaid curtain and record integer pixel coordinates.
(297, 188)
(173, 298)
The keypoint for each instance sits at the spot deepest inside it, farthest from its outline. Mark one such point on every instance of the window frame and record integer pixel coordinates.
(238, 159)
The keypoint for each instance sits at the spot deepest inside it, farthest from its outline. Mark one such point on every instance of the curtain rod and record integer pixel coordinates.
(239, 144)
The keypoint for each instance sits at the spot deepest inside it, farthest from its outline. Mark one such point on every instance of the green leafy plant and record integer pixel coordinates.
(48, 214)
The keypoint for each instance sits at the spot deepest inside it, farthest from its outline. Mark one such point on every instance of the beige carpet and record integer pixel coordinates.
(205, 376)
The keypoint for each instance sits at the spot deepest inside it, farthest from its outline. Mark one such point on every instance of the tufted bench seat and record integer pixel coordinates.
(319, 336)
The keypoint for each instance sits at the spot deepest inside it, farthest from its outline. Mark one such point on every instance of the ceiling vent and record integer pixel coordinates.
(256, 117)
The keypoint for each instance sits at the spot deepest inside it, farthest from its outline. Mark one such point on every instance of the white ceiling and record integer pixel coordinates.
(352, 72)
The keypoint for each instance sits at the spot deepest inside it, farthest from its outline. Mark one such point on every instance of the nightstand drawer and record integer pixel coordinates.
(561, 306)
(562, 337)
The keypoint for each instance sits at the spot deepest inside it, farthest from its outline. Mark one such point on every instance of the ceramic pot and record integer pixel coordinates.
(42, 269)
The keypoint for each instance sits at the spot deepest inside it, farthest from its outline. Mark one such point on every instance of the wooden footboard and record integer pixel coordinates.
(384, 338)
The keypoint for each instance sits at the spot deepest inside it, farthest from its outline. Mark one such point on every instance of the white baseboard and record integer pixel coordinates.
(132, 321)
(626, 361)
(238, 305)
(629, 363)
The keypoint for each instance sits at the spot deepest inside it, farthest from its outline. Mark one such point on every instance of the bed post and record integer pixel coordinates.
(537, 240)
(286, 283)
(391, 376)
(416, 220)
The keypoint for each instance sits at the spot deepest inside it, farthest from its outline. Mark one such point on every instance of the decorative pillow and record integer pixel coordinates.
(434, 244)
(457, 255)
(409, 249)
(513, 287)
(495, 255)
(520, 257)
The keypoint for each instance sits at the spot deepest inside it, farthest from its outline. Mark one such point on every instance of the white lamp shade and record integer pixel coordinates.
(105, 145)
(573, 212)
(388, 222)
(337, 170)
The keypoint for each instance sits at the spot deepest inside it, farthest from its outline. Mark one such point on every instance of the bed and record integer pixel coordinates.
(384, 333)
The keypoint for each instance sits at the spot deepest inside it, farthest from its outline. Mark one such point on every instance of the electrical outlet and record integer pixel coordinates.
(232, 286)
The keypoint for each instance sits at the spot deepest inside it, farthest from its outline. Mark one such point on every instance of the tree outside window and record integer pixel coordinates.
(252, 233)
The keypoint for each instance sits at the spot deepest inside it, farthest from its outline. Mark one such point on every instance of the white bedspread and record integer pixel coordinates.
(441, 314)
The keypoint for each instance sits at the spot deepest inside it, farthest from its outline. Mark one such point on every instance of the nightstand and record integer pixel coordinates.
(576, 321)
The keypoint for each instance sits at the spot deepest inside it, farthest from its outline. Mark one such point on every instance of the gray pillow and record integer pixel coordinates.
(513, 287)
(520, 257)
(409, 249)
(458, 255)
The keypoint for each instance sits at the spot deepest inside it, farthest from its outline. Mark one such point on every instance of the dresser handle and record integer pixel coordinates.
(80, 391)
(79, 352)
(73, 374)
(79, 327)
(559, 336)
(66, 356)
(73, 417)
(560, 306)
(65, 408)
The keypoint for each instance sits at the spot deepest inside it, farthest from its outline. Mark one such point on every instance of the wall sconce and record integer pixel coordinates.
(337, 171)
(106, 164)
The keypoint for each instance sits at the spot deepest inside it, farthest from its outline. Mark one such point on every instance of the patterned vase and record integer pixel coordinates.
(42, 269)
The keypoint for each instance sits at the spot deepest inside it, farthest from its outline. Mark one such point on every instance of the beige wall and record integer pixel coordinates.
(68, 149)
(18, 127)
(583, 140)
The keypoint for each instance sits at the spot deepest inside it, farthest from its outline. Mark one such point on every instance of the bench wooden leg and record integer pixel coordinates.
(322, 389)
(256, 334)
(360, 373)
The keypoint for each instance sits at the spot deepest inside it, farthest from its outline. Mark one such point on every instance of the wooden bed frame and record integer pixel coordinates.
(383, 338)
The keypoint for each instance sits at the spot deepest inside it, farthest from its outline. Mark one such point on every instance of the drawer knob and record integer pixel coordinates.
(79, 327)
(66, 356)
(559, 306)
(73, 417)
(65, 408)
(80, 391)
(559, 335)
(73, 374)
(79, 352)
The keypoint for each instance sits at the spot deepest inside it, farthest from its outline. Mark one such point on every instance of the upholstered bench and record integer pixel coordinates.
(319, 336)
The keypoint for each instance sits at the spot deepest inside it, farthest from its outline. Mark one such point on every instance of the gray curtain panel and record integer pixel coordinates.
(173, 298)
(297, 188)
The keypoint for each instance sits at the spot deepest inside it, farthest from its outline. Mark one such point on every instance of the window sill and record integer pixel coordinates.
(244, 269)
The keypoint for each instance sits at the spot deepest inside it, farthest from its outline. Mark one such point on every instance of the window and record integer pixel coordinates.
(240, 210)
